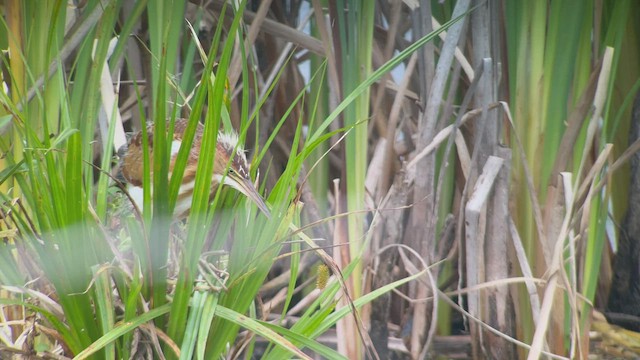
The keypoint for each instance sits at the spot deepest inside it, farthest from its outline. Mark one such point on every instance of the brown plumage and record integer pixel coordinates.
(237, 176)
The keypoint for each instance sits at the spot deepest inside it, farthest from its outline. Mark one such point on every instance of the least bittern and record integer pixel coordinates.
(230, 166)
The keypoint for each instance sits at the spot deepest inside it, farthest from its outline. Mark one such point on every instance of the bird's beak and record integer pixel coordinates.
(246, 187)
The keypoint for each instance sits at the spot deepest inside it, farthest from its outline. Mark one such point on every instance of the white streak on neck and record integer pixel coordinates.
(175, 147)
(137, 195)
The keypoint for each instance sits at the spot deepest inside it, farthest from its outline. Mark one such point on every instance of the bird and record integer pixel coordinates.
(230, 166)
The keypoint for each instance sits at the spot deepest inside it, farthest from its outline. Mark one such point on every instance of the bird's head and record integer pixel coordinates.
(232, 168)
